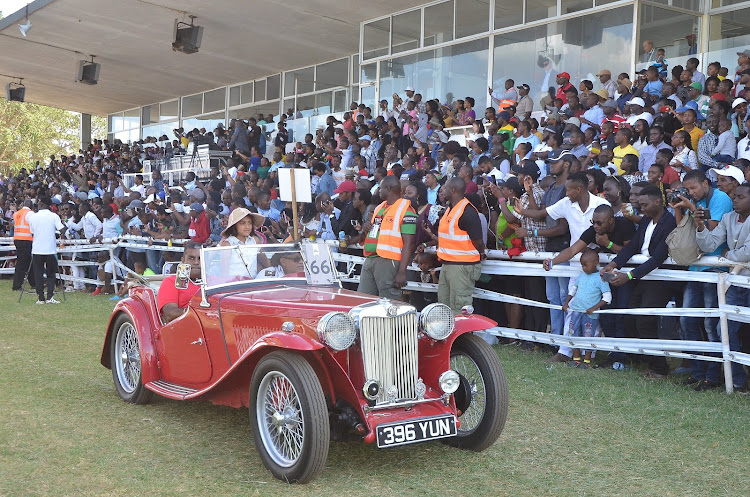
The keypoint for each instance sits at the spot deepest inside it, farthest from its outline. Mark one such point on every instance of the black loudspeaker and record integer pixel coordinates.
(15, 92)
(88, 72)
(187, 38)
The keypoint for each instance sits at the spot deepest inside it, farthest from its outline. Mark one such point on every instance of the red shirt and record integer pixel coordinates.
(670, 176)
(168, 294)
(616, 119)
(200, 228)
(561, 93)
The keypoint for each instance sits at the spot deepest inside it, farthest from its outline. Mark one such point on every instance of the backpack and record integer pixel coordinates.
(682, 244)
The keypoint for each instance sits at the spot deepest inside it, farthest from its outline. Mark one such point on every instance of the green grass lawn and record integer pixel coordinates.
(569, 431)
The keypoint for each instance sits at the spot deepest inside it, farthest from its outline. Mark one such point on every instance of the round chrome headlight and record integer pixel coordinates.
(449, 381)
(437, 321)
(337, 330)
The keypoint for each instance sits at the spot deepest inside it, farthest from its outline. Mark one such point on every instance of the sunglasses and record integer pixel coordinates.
(295, 258)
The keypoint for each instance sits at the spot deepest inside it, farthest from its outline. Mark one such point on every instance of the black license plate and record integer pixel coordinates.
(418, 430)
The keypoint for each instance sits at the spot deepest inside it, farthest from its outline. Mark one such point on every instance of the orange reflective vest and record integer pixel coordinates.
(454, 244)
(21, 228)
(504, 104)
(390, 243)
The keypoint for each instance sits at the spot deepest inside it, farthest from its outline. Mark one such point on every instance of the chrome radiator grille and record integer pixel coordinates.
(389, 352)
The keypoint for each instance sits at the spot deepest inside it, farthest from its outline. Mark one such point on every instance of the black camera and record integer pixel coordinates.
(673, 197)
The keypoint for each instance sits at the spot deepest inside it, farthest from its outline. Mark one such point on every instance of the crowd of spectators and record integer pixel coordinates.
(616, 170)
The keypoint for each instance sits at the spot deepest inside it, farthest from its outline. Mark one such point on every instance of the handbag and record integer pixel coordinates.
(682, 243)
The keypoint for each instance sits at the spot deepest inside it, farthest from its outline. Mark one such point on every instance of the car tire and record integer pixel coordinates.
(125, 361)
(482, 396)
(289, 417)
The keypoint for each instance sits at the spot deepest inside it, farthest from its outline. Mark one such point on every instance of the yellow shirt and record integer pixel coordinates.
(695, 136)
(620, 153)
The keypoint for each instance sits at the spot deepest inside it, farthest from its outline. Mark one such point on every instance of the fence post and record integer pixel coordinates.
(721, 290)
(114, 270)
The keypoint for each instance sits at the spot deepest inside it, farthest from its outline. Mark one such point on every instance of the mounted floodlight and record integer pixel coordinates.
(25, 27)
(88, 71)
(15, 92)
(187, 37)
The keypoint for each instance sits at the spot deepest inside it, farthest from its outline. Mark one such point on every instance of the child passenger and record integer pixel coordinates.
(586, 294)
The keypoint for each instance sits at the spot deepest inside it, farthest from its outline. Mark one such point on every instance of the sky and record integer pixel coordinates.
(7, 7)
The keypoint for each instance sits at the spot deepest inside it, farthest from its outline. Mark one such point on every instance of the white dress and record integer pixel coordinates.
(236, 265)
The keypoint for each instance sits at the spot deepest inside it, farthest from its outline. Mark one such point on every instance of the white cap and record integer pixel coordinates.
(738, 101)
(573, 120)
(636, 101)
(410, 88)
(731, 171)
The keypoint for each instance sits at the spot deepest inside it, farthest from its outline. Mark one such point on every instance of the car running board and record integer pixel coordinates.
(170, 390)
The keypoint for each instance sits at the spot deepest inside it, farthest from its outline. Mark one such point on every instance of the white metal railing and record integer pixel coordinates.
(527, 264)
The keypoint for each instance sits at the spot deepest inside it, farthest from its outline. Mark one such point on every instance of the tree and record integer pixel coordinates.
(31, 132)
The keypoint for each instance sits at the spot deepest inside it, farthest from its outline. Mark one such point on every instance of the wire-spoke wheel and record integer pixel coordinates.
(289, 417)
(482, 397)
(126, 362)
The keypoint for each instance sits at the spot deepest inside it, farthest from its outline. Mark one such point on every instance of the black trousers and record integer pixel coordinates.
(23, 263)
(42, 263)
(648, 294)
(536, 318)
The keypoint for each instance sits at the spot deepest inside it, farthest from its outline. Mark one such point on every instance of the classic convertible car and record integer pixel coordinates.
(271, 329)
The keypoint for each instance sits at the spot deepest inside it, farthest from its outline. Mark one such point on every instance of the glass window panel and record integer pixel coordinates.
(368, 96)
(132, 118)
(540, 9)
(723, 3)
(305, 79)
(246, 93)
(605, 2)
(438, 23)
(192, 105)
(157, 130)
(332, 74)
(729, 33)
(694, 5)
(214, 100)
(260, 90)
(669, 30)
(306, 105)
(508, 13)
(288, 105)
(168, 110)
(570, 6)
(269, 108)
(118, 123)
(339, 101)
(110, 122)
(323, 103)
(407, 29)
(578, 46)
(355, 69)
(369, 72)
(150, 114)
(472, 17)
(273, 84)
(443, 73)
(376, 37)
(234, 95)
(209, 122)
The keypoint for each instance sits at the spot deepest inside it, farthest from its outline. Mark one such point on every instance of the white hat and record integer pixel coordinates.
(410, 88)
(151, 198)
(731, 171)
(573, 120)
(738, 101)
(636, 101)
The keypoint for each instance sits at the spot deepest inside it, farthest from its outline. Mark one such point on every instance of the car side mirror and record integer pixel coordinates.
(182, 280)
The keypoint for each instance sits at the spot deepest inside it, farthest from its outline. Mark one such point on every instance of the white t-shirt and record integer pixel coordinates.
(647, 238)
(578, 221)
(44, 224)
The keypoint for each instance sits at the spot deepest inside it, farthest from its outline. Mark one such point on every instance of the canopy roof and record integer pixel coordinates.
(132, 40)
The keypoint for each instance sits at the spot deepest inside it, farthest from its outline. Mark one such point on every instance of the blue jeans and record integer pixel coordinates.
(735, 296)
(701, 295)
(155, 261)
(557, 293)
(582, 325)
(613, 325)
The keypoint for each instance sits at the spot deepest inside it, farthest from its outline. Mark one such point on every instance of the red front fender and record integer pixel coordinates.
(136, 311)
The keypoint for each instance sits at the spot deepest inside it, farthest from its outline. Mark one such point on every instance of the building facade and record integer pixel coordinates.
(450, 49)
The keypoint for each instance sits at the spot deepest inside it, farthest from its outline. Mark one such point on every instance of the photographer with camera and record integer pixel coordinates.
(707, 205)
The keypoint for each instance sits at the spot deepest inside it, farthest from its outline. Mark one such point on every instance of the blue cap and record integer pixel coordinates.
(692, 104)
(195, 206)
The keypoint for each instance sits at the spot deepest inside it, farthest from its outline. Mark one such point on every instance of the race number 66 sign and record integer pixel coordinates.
(318, 264)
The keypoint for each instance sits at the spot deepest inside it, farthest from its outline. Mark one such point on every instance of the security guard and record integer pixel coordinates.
(22, 239)
(460, 247)
(389, 243)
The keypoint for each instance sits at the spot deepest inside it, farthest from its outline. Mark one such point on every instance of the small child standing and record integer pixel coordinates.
(726, 148)
(587, 293)
(661, 63)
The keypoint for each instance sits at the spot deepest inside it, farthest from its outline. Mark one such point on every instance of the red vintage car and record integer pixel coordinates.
(272, 330)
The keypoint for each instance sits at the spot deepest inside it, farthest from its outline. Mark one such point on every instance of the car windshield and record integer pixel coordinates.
(222, 266)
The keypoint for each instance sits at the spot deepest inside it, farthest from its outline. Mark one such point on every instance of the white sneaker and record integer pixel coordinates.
(40, 302)
(69, 289)
(52, 301)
